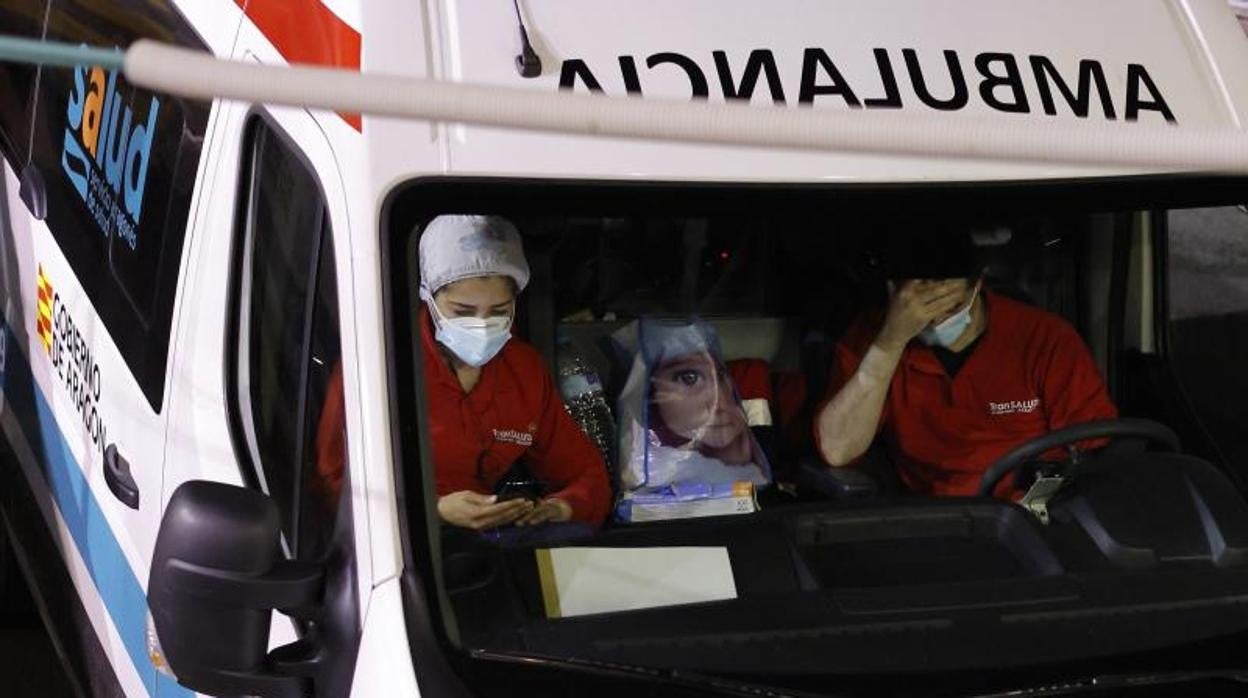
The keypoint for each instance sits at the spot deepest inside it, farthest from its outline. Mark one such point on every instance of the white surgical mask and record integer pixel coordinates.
(474, 340)
(948, 332)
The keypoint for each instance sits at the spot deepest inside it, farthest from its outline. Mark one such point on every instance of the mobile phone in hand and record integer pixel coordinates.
(518, 489)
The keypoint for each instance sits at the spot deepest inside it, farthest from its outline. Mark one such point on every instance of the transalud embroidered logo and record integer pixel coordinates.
(1013, 407)
(513, 436)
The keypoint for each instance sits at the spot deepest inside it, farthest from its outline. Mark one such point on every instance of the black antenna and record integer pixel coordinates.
(528, 64)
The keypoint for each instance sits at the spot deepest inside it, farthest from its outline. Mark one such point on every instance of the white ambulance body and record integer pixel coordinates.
(153, 338)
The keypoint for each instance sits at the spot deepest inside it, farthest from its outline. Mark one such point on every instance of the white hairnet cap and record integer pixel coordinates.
(463, 247)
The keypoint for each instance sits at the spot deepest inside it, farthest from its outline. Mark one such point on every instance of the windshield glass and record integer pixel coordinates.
(827, 438)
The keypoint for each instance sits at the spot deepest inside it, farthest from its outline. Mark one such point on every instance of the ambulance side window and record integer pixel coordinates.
(288, 340)
(22, 18)
(1208, 300)
(119, 165)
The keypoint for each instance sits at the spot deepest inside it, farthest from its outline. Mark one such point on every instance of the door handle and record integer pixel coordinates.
(120, 481)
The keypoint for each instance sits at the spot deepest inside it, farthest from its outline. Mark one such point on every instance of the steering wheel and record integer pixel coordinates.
(1147, 429)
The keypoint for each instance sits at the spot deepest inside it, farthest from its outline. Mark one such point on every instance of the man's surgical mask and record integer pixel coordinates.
(474, 340)
(948, 331)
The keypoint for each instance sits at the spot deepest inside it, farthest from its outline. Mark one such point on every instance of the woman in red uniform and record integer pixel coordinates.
(492, 401)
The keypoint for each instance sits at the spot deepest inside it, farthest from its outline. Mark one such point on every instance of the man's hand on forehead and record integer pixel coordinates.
(939, 283)
(941, 298)
(918, 303)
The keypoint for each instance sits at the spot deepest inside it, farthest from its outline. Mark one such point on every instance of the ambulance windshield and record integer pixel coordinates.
(680, 432)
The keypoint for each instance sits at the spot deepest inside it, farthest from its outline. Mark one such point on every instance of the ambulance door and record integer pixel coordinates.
(255, 399)
(113, 171)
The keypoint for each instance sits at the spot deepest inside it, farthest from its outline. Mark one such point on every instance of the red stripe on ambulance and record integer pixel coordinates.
(305, 31)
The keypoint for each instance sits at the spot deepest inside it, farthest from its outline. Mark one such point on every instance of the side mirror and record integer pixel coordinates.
(217, 574)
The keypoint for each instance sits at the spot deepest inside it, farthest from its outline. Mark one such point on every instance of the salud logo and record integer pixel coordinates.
(107, 151)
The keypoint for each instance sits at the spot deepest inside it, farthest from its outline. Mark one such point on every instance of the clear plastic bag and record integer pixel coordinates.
(681, 421)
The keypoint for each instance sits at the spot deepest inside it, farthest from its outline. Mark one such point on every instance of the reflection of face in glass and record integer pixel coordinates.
(693, 406)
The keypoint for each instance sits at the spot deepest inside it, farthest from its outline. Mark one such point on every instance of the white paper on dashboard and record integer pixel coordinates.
(581, 581)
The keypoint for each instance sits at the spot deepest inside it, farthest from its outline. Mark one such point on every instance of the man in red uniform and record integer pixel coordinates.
(492, 401)
(954, 377)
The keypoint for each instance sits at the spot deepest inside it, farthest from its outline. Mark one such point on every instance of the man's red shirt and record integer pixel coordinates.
(1029, 374)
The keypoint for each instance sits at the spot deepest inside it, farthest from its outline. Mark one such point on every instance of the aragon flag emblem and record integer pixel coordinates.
(43, 311)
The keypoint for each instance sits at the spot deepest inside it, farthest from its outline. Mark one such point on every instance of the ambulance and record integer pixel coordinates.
(181, 278)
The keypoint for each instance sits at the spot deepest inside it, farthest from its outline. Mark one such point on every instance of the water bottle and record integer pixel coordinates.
(587, 403)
